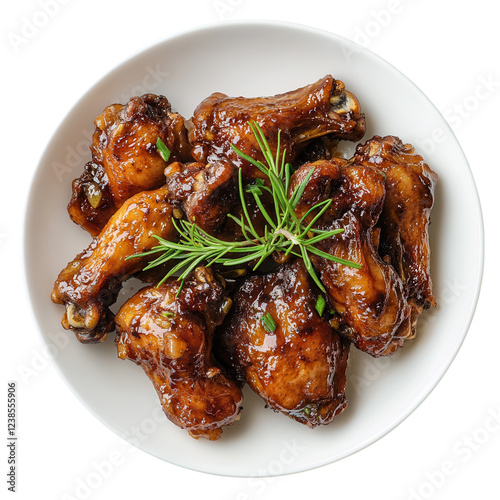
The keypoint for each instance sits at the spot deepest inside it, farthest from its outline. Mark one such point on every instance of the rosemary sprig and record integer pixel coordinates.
(284, 231)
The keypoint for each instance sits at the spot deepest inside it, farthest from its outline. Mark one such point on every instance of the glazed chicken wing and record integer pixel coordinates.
(204, 193)
(91, 281)
(405, 218)
(322, 108)
(371, 306)
(299, 368)
(125, 160)
(170, 337)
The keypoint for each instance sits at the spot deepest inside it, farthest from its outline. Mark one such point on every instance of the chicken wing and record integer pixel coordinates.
(204, 193)
(322, 108)
(125, 160)
(371, 306)
(91, 281)
(298, 368)
(170, 337)
(405, 218)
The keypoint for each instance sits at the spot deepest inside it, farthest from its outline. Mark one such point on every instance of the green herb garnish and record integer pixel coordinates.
(269, 323)
(320, 305)
(168, 314)
(162, 149)
(284, 231)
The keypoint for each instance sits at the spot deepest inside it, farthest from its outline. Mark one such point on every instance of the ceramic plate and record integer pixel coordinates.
(254, 59)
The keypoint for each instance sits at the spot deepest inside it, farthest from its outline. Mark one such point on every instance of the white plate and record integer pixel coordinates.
(254, 59)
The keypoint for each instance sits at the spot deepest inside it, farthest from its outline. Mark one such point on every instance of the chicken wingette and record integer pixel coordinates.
(277, 341)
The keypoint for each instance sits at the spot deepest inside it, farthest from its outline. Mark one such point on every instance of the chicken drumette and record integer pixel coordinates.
(125, 160)
(322, 108)
(299, 367)
(91, 281)
(170, 337)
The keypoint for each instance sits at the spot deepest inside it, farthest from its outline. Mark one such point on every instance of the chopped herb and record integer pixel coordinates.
(269, 323)
(307, 411)
(162, 149)
(168, 314)
(320, 305)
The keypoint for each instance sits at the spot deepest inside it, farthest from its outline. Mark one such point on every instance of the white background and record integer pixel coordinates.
(448, 448)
